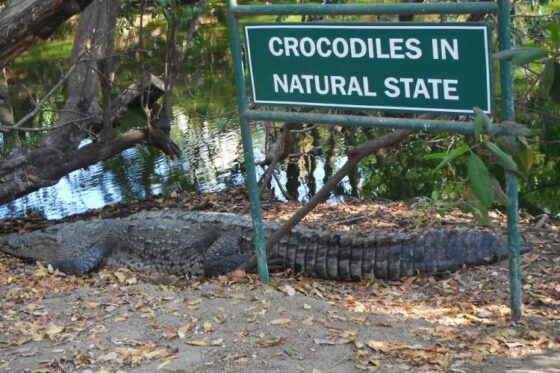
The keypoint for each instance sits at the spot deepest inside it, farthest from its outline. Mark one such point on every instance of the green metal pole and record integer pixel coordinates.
(367, 9)
(363, 121)
(506, 79)
(260, 248)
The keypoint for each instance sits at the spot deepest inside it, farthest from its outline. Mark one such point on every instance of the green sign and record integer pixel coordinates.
(430, 68)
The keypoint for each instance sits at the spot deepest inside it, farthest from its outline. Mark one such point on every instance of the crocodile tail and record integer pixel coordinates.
(354, 257)
(440, 251)
(387, 255)
(330, 255)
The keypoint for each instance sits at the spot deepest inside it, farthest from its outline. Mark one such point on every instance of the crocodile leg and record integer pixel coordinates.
(90, 260)
(223, 256)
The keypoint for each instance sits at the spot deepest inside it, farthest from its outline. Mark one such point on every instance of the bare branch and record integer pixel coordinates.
(8, 129)
(355, 155)
(39, 105)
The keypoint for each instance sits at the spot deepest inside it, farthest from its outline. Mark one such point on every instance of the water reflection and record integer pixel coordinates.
(206, 129)
(206, 165)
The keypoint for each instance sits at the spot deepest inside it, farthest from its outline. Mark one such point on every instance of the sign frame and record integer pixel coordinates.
(501, 8)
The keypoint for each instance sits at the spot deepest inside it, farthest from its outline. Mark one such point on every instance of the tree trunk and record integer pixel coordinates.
(22, 22)
(6, 111)
(33, 167)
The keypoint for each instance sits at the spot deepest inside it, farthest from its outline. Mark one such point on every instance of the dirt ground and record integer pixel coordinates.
(117, 320)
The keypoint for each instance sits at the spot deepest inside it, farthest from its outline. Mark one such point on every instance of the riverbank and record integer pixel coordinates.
(117, 319)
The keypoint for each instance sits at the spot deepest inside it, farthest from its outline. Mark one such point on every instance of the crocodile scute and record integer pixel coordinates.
(209, 244)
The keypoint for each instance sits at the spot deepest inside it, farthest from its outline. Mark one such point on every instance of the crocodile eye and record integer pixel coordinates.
(50, 239)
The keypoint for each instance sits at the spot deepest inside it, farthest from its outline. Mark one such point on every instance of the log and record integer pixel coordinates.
(22, 22)
(37, 167)
(59, 153)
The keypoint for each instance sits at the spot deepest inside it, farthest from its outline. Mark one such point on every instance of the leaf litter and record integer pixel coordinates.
(118, 320)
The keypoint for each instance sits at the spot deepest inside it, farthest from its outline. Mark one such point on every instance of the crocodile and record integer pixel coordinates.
(210, 244)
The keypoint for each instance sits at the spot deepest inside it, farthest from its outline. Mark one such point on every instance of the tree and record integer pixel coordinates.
(84, 117)
(23, 22)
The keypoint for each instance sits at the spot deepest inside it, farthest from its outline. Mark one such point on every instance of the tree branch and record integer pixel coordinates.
(60, 152)
(355, 155)
(22, 22)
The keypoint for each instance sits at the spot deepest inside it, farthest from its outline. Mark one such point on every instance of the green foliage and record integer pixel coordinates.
(480, 179)
(496, 148)
(453, 154)
(501, 157)
(425, 208)
(541, 61)
(550, 81)
(504, 147)
(477, 208)
(481, 122)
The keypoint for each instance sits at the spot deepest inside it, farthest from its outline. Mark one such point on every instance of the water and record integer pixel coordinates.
(207, 164)
(210, 161)
(206, 128)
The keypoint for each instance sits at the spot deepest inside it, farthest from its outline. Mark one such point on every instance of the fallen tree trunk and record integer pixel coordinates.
(60, 152)
(32, 168)
(22, 22)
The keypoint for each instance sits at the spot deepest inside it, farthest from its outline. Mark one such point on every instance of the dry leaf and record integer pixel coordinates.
(288, 290)
(54, 331)
(308, 321)
(41, 271)
(358, 319)
(194, 304)
(483, 314)
(182, 332)
(90, 305)
(198, 342)
(387, 346)
(37, 337)
(153, 354)
(331, 342)
(280, 321)
(111, 356)
(208, 327)
(241, 359)
(477, 357)
(359, 345)
(165, 363)
(120, 276)
(269, 342)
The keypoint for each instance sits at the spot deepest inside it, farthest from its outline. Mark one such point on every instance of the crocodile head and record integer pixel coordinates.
(72, 248)
(40, 245)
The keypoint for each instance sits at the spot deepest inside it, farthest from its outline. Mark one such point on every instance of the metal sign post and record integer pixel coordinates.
(407, 67)
(248, 147)
(504, 34)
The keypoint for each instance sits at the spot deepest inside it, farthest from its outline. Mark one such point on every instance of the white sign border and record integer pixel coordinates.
(478, 26)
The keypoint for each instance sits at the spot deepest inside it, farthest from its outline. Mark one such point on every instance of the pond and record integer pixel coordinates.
(206, 128)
